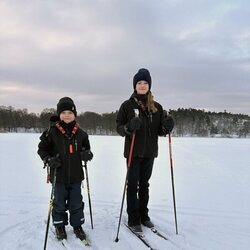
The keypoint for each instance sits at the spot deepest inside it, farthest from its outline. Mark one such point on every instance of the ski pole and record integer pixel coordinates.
(87, 180)
(50, 208)
(172, 178)
(125, 185)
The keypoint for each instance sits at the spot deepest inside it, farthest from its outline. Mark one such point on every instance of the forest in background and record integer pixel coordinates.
(188, 122)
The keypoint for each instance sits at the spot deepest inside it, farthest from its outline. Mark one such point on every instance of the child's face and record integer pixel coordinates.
(67, 116)
(142, 87)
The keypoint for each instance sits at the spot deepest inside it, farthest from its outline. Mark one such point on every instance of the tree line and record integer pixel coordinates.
(188, 122)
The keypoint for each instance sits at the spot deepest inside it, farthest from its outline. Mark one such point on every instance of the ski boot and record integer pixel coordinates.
(80, 234)
(136, 228)
(148, 223)
(61, 233)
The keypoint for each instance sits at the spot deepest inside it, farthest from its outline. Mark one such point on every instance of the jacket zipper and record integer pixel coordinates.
(69, 155)
(149, 123)
(145, 136)
(64, 146)
(75, 145)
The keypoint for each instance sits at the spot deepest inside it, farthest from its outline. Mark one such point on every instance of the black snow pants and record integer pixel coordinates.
(138, 190)
(68, 197)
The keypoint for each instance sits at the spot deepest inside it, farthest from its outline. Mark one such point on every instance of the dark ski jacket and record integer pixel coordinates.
(146, 138)
(68, 146)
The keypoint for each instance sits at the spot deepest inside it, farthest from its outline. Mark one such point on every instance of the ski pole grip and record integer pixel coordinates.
(136, 112)
(85, 164)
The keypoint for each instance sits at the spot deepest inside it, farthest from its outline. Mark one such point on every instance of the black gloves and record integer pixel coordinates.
(167, 122)
(86, 155)
(134, 124)
(53, 162)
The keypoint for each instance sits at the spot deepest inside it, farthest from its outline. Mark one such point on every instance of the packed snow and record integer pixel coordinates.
(212, 178)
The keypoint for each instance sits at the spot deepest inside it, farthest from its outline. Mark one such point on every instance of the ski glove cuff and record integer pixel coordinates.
(126, 130)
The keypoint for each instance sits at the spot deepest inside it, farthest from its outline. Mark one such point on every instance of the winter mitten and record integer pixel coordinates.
(135, 124)
(54, 162)
(168, 123)
(86, 155)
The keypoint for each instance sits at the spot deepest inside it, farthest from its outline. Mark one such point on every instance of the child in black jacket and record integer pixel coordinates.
(141, 114)
(63, 147)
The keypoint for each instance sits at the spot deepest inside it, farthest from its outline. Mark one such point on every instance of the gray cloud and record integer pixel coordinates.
(197, 51)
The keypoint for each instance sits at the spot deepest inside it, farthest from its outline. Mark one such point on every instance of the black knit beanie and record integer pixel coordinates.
(142, 74)
(66, 103)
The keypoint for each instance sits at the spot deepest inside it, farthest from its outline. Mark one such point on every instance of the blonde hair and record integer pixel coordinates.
(150, 103)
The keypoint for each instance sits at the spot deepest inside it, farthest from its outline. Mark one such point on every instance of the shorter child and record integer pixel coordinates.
(63, 147)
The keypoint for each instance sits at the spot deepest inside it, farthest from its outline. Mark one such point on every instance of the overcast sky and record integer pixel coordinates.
(198, 53)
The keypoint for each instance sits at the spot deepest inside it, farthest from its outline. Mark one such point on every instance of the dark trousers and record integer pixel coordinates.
(138, 190)
(68, 197)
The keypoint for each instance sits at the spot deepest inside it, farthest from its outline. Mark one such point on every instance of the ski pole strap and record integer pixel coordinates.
(48, 172)
(48, 175)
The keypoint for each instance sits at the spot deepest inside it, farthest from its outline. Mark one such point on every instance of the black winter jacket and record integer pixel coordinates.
(54, 142)
(146, 138)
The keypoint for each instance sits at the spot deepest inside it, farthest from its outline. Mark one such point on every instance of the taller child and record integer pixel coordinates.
(63, 147)
(151, 122)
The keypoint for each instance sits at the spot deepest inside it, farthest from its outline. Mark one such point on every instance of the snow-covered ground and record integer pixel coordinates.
(212, 178)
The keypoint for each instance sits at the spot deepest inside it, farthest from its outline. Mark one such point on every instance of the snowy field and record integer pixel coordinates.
(212, 182)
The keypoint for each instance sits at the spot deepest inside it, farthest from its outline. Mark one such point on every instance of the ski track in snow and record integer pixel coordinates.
(28, 233)
(212, 197)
